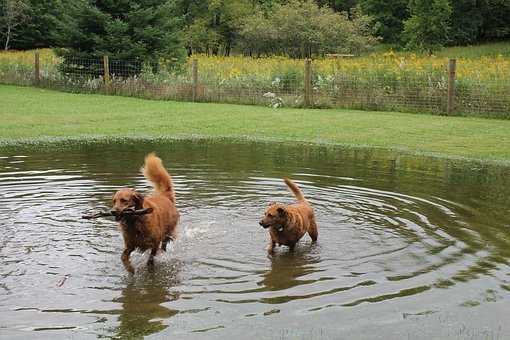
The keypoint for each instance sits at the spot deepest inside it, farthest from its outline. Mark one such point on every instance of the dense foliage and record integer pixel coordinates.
(154, 28)
(389, 15)
(428, 27)
(42, 20)
(302, 29)
(144, 30)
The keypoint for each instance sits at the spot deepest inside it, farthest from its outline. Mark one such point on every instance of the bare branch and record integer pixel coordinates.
(14, 14)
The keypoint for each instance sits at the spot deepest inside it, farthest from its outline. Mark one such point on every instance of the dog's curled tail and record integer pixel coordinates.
(295, 189)
(154, 171)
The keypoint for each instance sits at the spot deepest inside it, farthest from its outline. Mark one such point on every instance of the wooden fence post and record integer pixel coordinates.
(308, 83)
(106, 73)
(37, 69)
(450, 105)
(194, 79)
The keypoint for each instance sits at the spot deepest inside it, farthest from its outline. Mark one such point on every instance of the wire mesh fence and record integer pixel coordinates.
(371, 87)
(487, 96)
(378, 93)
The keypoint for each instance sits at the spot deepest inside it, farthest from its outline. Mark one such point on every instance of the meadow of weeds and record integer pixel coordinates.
(379, 81)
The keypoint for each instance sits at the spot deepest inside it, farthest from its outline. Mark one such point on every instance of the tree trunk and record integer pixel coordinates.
(8, 37)
(227, 49)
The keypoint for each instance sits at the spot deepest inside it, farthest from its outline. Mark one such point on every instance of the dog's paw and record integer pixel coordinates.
(130, 269)
(270, 250)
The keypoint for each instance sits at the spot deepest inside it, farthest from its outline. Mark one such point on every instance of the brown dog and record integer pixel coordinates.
(147, 231)
(287, 224)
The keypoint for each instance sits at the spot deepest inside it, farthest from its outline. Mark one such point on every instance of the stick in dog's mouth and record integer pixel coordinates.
(119, 216)
(124, 213)
(278, 228)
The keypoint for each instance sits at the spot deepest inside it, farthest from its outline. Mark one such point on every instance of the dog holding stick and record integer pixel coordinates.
(147, 231)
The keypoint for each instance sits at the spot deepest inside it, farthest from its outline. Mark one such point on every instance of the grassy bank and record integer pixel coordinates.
(30, 114)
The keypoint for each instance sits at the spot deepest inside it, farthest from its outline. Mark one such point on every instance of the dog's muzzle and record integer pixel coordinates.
(117, 214)
(120, 214)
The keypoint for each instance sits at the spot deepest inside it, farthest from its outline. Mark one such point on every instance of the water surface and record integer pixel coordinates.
(408, 247)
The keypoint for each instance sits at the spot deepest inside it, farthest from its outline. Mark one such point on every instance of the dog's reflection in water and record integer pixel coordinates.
(288, 268)
(142, 311)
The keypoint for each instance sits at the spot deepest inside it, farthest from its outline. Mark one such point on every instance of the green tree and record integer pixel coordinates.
(201, 38)
(43, 17)
(211, 26)
(496, 25)
(466, 22)
(428, 27)
(389, 15)
(143, 30)
(302, 29)
(258, 35)
(338, 5)
(13, 13)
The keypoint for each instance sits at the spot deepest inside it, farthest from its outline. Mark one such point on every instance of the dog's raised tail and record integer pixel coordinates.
(154, 171)
(295, 189)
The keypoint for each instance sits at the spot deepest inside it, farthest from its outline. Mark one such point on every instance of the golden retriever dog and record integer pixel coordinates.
(149, 231)
(288, 223)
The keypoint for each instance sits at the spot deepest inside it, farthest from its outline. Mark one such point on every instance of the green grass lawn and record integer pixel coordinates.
(476, 51)
(31, 114)
(470, 51)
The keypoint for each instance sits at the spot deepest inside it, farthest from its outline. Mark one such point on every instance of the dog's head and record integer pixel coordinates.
(125, 199)
(275, 216)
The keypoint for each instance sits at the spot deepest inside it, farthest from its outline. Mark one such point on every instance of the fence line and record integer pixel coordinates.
(450, 107)
(194, 79)
(37, 69)
(308, 100)
(440, 93)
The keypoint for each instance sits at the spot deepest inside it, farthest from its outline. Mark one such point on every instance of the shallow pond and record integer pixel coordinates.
(408, 247)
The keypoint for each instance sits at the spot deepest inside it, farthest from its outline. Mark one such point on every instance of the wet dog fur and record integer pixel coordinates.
(288, 223)
(150, 231)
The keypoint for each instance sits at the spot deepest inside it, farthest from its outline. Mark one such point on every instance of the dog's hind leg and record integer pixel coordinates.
(313, 231)
(125, 260)
(171, 235)
(154, 251)
(165, 241)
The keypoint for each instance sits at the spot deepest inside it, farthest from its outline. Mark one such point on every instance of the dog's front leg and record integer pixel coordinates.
(270, 247)
(125, 260)
(154, 251)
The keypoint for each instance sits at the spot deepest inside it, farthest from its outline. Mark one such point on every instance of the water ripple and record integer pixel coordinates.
(390, 240)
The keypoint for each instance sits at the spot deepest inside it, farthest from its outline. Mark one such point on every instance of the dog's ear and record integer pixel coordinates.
(138, 199)
(281, 211)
